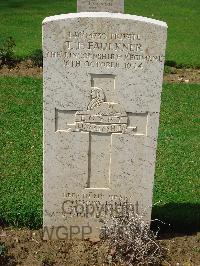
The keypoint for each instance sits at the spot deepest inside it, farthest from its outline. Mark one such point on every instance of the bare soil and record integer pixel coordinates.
(26, 247)
(26, 68)
(183, 76)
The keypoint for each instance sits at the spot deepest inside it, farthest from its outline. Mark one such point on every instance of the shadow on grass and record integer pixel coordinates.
(172, 218)
(33, 221)
(177, 218)
(172, 63)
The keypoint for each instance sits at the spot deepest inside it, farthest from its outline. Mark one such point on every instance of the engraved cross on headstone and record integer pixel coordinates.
(103, 118)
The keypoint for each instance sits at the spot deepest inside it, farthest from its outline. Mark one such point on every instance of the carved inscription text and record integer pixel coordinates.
(103, 50)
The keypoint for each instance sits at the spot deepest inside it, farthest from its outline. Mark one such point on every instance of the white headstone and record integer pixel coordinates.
(112, 6)
(102, 87)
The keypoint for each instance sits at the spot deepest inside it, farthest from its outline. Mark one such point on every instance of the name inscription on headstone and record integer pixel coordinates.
(104, 50)
(113, 6)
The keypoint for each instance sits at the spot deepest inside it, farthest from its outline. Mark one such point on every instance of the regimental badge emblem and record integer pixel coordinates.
(101, 116)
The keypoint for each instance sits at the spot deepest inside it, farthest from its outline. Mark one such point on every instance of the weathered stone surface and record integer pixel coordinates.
(113, 6)
(102, 87)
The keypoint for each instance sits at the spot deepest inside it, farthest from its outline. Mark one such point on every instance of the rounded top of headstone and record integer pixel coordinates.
(104, 15)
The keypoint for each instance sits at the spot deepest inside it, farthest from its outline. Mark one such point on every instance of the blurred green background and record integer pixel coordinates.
(22, 20)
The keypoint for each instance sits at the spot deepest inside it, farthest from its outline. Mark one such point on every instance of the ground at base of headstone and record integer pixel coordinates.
(25, 247)
(173, 75)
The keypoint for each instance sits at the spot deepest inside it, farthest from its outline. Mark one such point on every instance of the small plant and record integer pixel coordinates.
(170, 70)
(37, 58)
(131, 241)
(2, 249)
(7, 56)
(6, 259)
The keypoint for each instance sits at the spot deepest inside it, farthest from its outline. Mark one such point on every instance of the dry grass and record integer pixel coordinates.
(131, 241)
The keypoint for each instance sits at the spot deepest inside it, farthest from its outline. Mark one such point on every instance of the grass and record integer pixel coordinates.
(177, 183)
(22, 20)
(182, 17)
(177, 171)
(21, 151)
